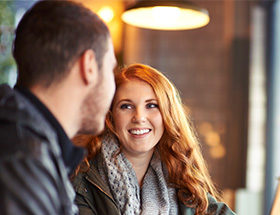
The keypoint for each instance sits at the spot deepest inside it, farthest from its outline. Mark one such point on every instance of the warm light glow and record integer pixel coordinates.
(212, 138)
(165, 18)
(106, 13)
(159, 15)
(218, 152)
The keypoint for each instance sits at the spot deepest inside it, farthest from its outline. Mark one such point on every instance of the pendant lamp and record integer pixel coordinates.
(166, 15)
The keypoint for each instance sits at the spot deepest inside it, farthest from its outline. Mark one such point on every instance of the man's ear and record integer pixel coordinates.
(88, 67)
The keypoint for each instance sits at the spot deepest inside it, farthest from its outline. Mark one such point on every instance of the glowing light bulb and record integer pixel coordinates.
(165, 15)
(106, 13)
(166, 18)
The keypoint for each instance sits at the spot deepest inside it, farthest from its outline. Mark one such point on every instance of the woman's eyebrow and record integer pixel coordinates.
(151, 100)
(123, 100)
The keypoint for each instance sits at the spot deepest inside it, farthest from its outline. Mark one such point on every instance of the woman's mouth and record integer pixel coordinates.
(139, 131)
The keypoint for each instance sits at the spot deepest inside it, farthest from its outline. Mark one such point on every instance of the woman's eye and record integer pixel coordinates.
(126, 106)
(152, 105)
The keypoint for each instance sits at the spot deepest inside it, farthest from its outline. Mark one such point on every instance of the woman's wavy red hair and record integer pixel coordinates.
(178, 147)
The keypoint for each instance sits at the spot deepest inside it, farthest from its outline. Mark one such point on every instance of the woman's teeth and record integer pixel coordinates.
(138, 132)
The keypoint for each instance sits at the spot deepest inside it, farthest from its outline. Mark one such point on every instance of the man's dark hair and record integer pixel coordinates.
(51, 36)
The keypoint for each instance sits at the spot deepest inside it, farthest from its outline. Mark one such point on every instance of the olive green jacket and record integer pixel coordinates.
(93, 197)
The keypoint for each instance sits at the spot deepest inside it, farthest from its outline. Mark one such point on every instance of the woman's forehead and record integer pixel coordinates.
(134, 89)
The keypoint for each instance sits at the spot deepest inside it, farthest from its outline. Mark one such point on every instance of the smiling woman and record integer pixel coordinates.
(138, 121)
(148, 160)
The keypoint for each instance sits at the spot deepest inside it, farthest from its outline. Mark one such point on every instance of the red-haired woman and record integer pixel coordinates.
(148, 160)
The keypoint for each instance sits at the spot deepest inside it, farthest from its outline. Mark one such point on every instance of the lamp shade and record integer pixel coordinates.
(166, 15)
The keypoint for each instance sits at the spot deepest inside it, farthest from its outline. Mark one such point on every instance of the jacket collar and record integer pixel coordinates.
(72, 155)
(93, 176)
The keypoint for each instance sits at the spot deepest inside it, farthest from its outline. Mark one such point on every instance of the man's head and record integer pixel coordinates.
(64, 48)
(51, 36)
(98, 101)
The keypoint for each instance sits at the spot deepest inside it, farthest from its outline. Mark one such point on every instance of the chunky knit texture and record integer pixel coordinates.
(155, 197)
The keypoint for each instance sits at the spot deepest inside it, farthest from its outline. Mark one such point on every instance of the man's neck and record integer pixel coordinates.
(58, 104)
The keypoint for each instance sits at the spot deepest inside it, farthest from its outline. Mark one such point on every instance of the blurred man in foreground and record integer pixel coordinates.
(65, 85)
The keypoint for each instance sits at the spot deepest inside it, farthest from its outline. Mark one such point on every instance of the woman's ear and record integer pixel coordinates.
(89, 67)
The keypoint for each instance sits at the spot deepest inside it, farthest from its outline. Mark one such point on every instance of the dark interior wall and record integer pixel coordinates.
(210, 68)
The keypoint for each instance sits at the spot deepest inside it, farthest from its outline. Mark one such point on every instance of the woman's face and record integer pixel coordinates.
(137, 119)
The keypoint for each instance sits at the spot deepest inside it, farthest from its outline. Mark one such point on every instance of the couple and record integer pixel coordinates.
(65, 86)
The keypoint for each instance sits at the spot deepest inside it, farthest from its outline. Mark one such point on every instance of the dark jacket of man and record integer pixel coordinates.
(33, 171)
(94, 197)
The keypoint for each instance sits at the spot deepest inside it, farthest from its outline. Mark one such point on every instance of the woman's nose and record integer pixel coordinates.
(139, 116)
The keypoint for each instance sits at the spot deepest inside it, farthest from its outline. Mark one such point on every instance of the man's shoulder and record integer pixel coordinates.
(22, 128)
(10, 98)
(14, 108)
(17, 140)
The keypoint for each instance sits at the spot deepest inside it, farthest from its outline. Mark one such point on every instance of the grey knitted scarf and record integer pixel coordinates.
(155, 197)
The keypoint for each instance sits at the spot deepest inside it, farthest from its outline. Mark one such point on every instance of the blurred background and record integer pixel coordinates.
(228, 74)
